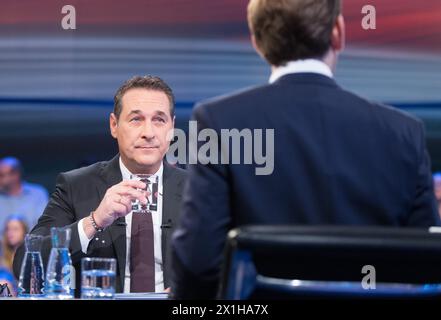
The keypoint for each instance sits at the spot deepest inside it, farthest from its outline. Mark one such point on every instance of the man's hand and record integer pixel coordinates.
(117, 202)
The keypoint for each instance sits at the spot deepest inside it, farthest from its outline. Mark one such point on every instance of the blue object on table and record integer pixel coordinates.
(59, 274)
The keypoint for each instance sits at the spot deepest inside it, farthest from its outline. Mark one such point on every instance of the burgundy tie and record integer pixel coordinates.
(142, 258)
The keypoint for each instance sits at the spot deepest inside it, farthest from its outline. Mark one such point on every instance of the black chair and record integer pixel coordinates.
(278, 262)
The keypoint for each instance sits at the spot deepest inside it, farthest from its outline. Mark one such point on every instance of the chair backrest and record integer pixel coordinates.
(349, 261)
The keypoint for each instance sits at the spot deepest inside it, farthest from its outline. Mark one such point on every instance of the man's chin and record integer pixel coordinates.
(148, 161)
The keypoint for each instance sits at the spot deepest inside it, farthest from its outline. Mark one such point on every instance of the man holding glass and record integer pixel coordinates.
(125, 208)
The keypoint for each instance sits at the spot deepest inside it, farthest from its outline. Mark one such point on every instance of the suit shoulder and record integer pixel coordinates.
(231, 99)
(392, 115)
(85, 172)
(399, 114)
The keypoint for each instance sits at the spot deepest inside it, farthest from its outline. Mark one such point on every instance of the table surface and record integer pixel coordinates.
(118, 296)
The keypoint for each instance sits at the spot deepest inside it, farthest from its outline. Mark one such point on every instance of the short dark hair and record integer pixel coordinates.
(287, 30)
(145, 82)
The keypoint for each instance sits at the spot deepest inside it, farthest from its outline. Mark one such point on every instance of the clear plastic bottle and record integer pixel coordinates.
(59, 275)
(31, 281)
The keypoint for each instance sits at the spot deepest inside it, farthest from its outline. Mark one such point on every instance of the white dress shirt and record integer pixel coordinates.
(301, 66)
(157, 221)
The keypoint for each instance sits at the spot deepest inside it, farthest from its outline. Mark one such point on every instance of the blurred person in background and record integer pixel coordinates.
(6, 276)
(14, 233)
(437, 189)
(17, 195)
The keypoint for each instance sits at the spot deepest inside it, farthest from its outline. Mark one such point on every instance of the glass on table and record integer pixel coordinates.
(98, 278)
(31, 280)
(60, 276)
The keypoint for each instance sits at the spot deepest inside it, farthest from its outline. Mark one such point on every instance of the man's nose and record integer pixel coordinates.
(148, 132)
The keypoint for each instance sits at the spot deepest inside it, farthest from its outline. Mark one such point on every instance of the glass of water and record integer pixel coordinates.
(150, 191)
(98, 278)
(31, 281)
(60, 275)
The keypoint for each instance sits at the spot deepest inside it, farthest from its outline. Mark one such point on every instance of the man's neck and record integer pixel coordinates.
(137, 169)
(330, 59)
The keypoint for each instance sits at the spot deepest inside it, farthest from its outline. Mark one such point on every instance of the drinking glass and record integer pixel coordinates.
(98, 278)
(151, 193)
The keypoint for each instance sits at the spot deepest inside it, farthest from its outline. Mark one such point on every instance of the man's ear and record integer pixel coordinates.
(113, 123)
(338, 37)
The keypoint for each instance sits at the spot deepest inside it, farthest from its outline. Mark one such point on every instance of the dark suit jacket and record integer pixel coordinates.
(339, 160)
(79, 192)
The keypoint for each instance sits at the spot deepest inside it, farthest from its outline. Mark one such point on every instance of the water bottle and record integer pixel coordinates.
(31, 280)
(59, 275)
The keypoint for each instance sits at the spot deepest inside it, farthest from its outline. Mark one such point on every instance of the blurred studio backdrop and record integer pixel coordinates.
(57, 86)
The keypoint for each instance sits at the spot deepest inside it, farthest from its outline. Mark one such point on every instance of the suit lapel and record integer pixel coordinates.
(111, 174)
(170, 208)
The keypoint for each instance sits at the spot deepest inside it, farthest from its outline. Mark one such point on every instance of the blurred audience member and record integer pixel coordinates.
(437, 189)
(18, 196)
(6, 276)
(13, 236)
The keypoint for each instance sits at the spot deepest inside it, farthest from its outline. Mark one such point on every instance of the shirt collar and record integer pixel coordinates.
(126, 173)
(301, 66)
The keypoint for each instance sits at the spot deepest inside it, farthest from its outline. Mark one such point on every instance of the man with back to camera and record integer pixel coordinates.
(96, 201)
(338, 158)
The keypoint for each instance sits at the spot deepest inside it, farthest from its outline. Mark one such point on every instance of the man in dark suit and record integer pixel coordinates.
(96, 201)
(338, 158)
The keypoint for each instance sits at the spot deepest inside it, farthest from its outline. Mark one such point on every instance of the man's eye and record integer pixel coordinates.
(135, 119)
(159, 119)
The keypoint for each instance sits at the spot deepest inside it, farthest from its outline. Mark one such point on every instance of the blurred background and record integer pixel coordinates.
(57, 86)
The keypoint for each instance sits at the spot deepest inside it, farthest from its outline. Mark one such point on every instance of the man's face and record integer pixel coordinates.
(142, 129)
(9, 177)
